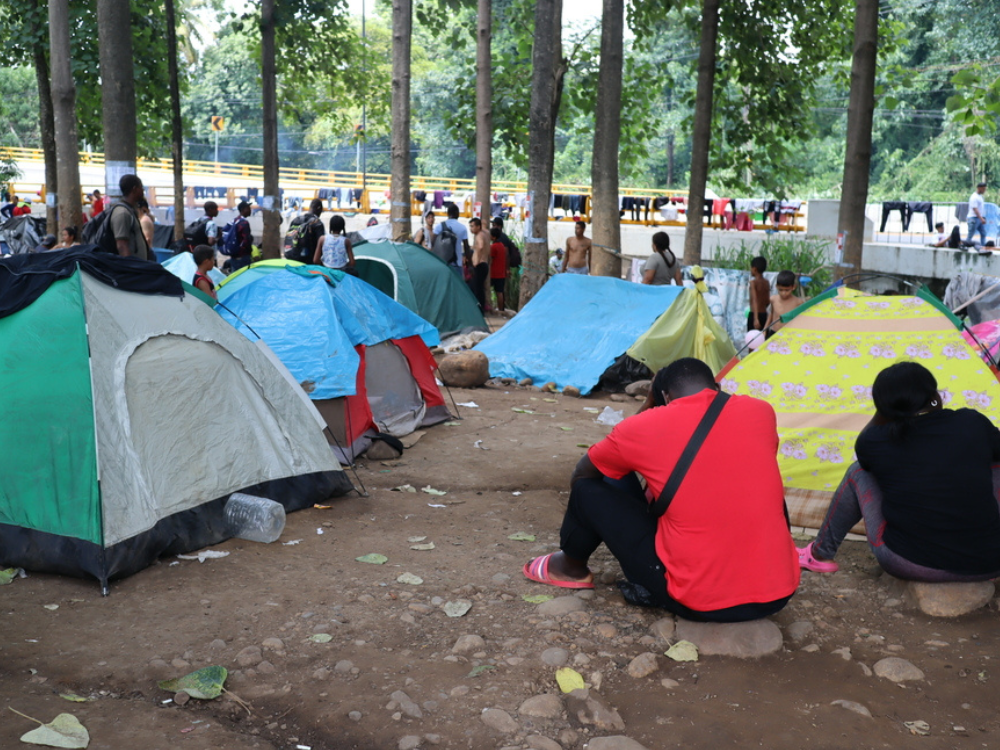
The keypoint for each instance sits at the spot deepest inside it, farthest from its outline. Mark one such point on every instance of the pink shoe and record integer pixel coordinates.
(807, 561)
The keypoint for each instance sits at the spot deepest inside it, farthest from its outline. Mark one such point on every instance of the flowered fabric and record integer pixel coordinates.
(817, 373)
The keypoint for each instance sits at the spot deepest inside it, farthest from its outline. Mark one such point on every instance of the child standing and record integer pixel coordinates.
(760, 293)
(204, 258)
(782, 302)
(498, 267)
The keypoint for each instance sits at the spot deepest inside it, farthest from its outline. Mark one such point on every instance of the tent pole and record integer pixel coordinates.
(351, 466)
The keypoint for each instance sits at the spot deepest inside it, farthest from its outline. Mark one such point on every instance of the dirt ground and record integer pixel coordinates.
(388, 636)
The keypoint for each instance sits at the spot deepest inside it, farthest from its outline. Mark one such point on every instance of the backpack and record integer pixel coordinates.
(445, 244)
(513, 255)
(98, 232)
(230, 244)
(196, 233)
(297, 241)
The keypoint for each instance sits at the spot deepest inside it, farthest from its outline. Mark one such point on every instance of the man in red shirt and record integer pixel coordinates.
(722, 550)
(98, 204)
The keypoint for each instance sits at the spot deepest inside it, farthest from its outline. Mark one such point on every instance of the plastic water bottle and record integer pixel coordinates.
(255, 519)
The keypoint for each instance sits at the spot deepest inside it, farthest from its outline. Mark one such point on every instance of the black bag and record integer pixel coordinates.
(98, 231)
(513, 254)
(196, 233)
(445, 244)
(299, 242)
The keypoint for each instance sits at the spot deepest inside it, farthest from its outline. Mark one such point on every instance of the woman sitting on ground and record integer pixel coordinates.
(661, 267)
(334, 249)
(425, 235)
(925, 484)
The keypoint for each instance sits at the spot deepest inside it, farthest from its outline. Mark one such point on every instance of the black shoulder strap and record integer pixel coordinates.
(687, 457)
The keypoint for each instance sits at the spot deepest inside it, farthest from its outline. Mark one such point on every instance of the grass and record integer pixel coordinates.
(805, 257)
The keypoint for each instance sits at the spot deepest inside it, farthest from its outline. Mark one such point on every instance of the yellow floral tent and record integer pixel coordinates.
(817, 373)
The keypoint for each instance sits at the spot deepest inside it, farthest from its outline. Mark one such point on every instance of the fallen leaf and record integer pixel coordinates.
(521, 536)
(8, 575)
(569, 680)
(436, 505)
(73, 698)
(322, 507)
(551, 400)
(63, 731)
(374, 558)
(521, 411)
(320, 638)
(423, 547)
(566, 429)
(404, 488)
(410, 579)
(431, 491)
(204, 684)
(582, 445)
(683, 651)
(51, 607)
(536, 598)
(415, 539)
(476, 671)
(457, 608)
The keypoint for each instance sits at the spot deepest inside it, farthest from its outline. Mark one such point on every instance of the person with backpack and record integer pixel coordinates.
(237, 239)
(334, 250)
(447, 236)
(303, 234)
(204, 231)
(123, 219)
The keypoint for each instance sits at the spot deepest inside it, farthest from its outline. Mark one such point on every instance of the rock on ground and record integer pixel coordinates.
(561, 605)
(798, 631)
(639, 388)
(951, 599)
(555, 657)
(643, 665)
(249, 657)
(744, 640)
(409, 742)
(898, 670)
(500, 720)
(407, 705)
(542, 707)
(571, 390)
(853, 706)
(468, 643)
(663, 629)
(617, 742)
(469, 369)
(538, 742)
(589, 708)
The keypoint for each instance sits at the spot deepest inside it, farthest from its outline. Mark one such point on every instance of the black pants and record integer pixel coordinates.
(616, 513)
(919, 207)
(889, 206)
(761, 316)
(478, 283)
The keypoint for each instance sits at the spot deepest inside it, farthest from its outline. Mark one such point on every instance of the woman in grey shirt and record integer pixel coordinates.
(662, 265)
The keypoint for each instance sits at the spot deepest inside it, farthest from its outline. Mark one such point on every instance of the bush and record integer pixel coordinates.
(803, 256)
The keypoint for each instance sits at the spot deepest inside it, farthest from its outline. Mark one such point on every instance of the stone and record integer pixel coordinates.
(499, 720)
(669, 684)
(538, 742)
(407, 705)
(273, 644)
(555, 657)
(639, 388)
(217, 645)
(743, 640)
(590, 709)
(546, 706)
(643, 665)
(409, 742)
(844, 653)
(180, 663)
(615, 742)
(853, 706)
(266, 667)
(571, 390)
(321, 674)
(798, 631)
(526, 381)
(619, 397)
(549, 387)
(343, 666)
(468, 369)
(812, 648)
(468, 643)
(249, 657)
(561, 605)
(951, 599)
(181, 698)
(354, 716)
(663, 629)
(896, 669)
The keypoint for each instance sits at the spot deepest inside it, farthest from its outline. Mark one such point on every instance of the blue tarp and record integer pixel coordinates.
(313, 326)
(574, 329)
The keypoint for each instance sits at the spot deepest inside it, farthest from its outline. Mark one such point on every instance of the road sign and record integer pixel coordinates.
(218, 123)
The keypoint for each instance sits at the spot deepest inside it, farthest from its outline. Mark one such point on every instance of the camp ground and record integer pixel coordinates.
(817, 373)
(128, 424)
(362, 357)
(576, 327)
(420, 281)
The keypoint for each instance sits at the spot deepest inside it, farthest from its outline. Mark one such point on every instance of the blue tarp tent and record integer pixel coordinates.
(574, 329)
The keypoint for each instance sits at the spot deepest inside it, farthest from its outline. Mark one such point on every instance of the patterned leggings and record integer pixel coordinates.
(857, 497)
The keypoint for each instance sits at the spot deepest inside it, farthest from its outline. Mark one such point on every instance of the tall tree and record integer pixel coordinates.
(64, 115)
(176, 124)
(547, 73)
(701, 131)
(484, 106)
(47, 129)
(858, 155)
(607, 135)
(402, 33)
(114, 29)
(271, 238)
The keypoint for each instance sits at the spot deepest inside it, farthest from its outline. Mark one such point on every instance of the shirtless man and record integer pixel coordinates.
(760, 294)
(480, 261)
(783, 301)
(146, 221)
(577, 257)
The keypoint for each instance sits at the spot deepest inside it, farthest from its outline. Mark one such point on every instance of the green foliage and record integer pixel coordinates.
(204, 684)
(807, 257)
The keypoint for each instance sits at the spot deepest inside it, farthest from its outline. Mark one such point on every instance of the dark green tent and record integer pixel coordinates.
(420, 281)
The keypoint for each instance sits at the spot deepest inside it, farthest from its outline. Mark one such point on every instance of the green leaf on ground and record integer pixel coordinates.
(566, 429)
(476, 671)
(321, 638)
(431, 491)
(8, 575)
(73, 698)
(521, 536)
(537, 598)
(204, 684)
(569, 680)
(423, 547)
(404, 488)
(63, 731)
(373, 558)
(582, 445)
(410, 579)
(683, 651)
(415, 539)
(521, 411)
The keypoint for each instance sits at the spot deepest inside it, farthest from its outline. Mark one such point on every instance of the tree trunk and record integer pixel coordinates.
(271, 239)
(858, 154)
(402, 31)
(114, 31)
(47, 128)
(484, 108)
(64, 116)
(546, 87)
(607, 135)
(701, 131)
(176, 123)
